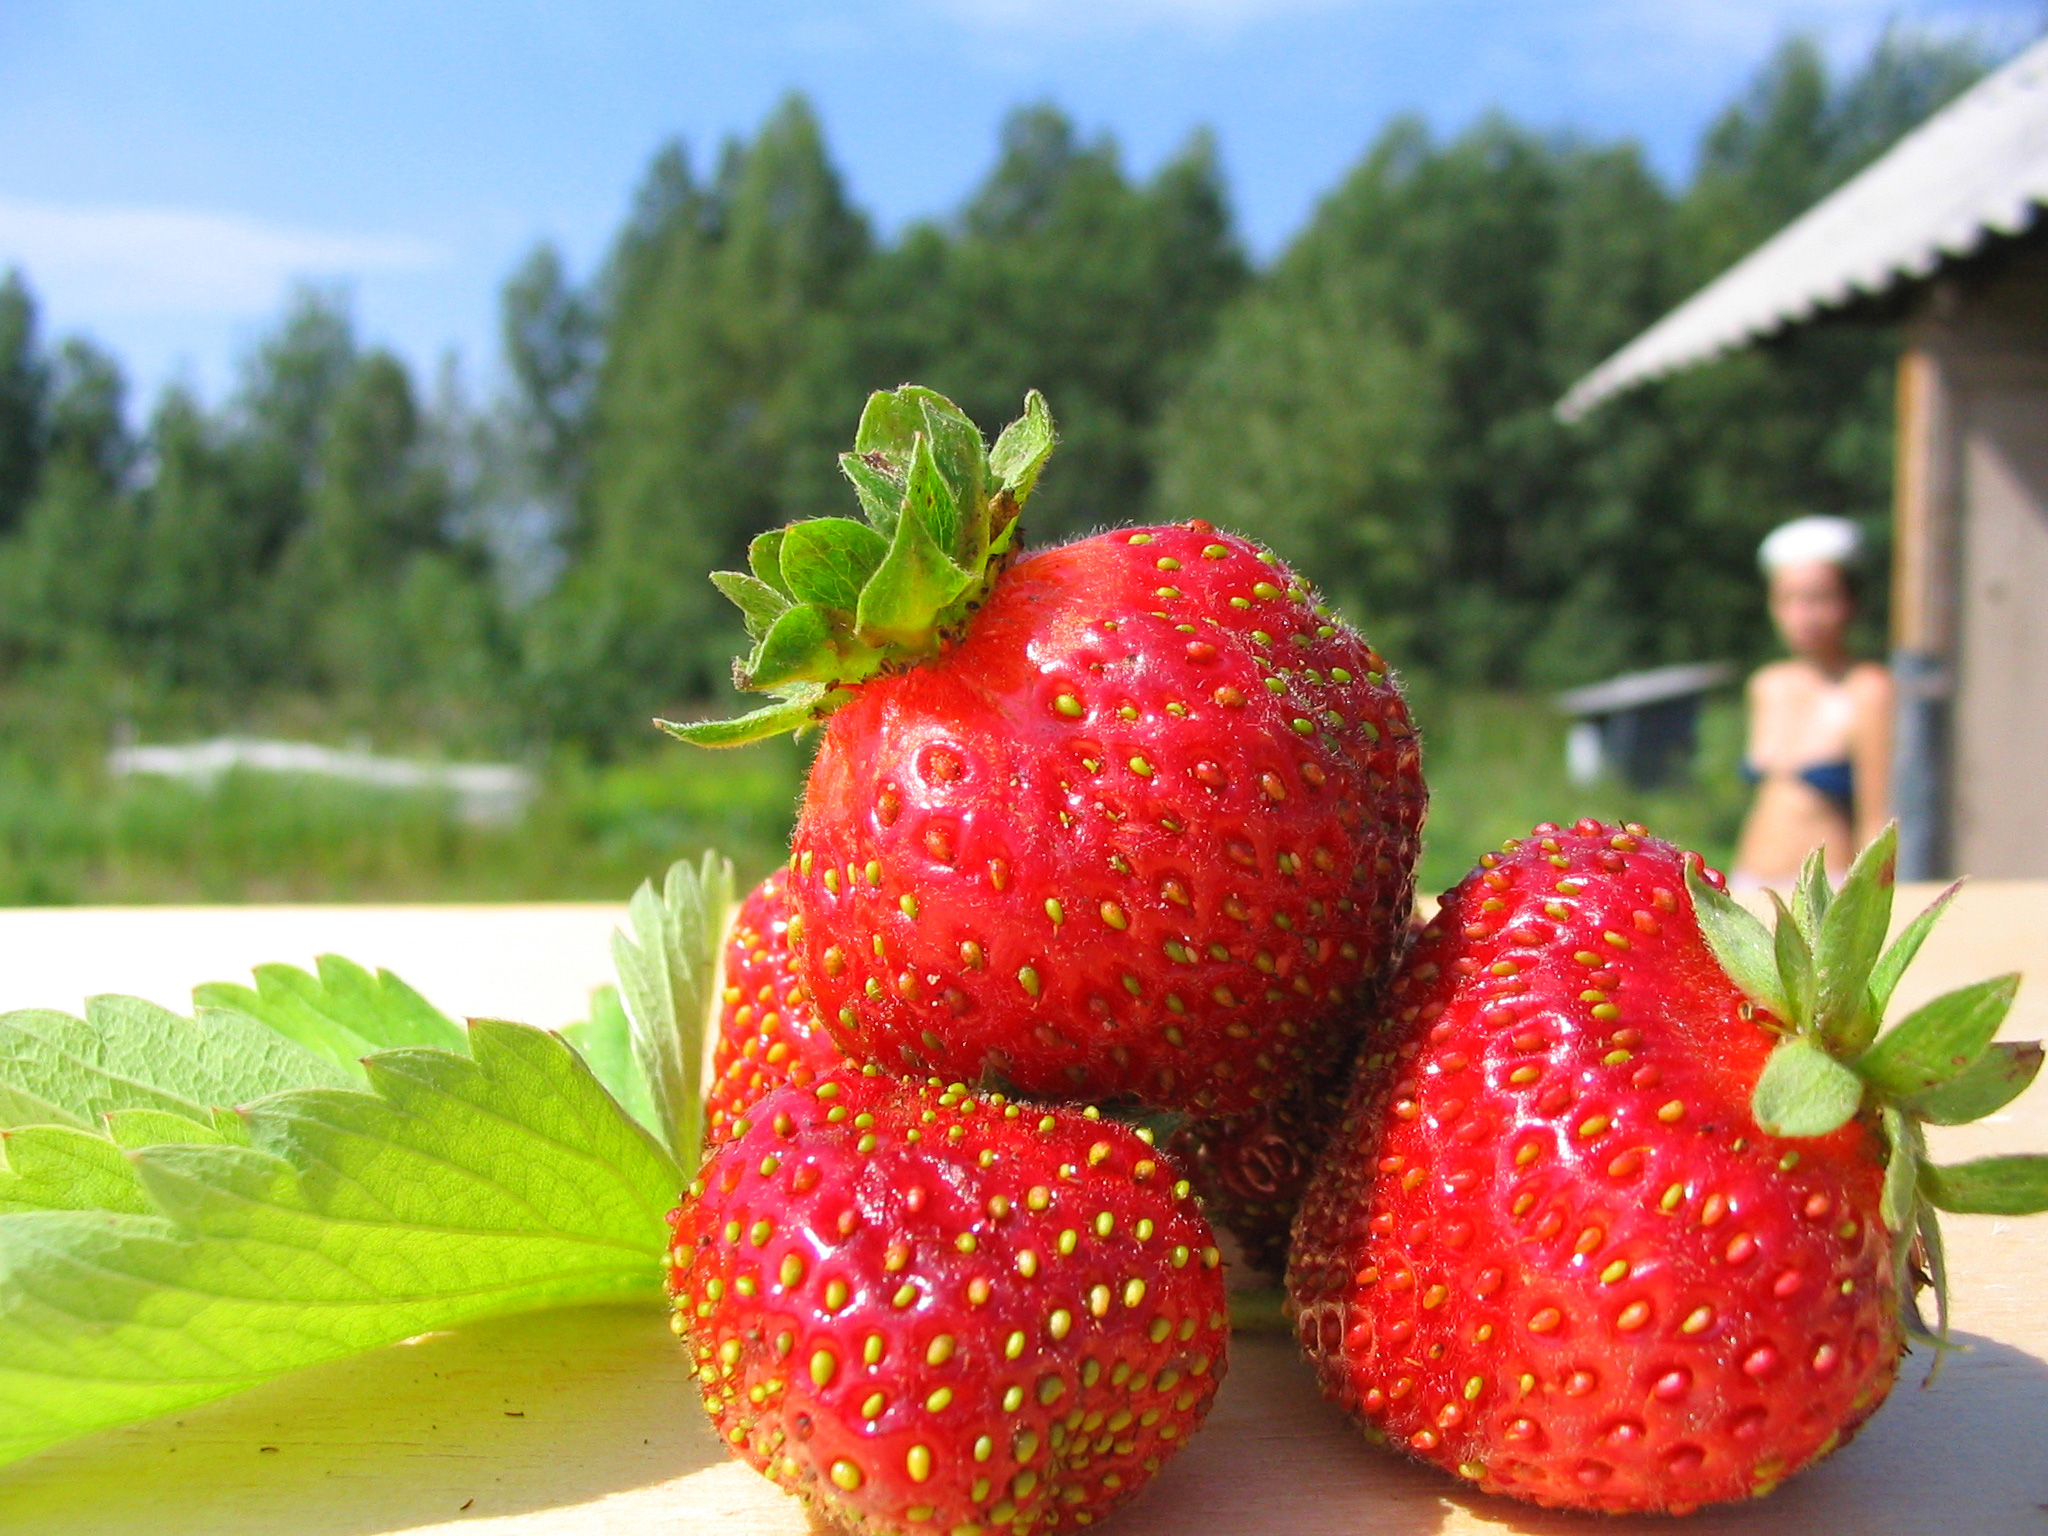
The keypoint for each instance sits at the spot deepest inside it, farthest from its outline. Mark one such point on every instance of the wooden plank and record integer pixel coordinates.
(581, 1422)
(2001, 704)
(1923, 504)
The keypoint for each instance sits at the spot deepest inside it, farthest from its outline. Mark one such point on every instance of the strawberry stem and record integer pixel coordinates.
(832, 602)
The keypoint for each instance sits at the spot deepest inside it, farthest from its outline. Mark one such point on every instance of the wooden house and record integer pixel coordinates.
(1942, 235)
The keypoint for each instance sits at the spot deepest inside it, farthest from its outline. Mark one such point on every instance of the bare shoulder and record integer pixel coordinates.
(1777, 678)
(1870, 682)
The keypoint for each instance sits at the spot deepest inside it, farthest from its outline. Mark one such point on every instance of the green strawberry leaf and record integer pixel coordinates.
(1803, 1091)
(759, 604)
(154, 1127)
(1795, 964)
(1901, 1193)
(1851, 930)
(1739, 941)
(933, 502)
(804, 706)
(457, 1187)
(605, 1042)
(797, 648)
(918, 578)
(62, 1168)
(1022, 448)
(1984, 1087)
(1891, 965)
(1989, 1186)
(667, 973)
(1937, 1273)
(764, 559)
(829, 559)
(344, 1013)
(130, 1054)
(1811, 895)
(1939, 1040)
(960, 461)
(890, 422)
(880, 494)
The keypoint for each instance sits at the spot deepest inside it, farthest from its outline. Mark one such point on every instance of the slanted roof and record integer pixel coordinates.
(1976, 169)
(1636, 690)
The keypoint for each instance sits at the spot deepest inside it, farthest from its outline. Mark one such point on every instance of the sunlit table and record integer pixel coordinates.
(582, 1422)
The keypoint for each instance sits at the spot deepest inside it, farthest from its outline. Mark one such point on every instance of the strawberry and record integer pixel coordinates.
(1252, 1170)
(923, 1309)
(1135, 817)
(768, 1032)
(1619, 1212)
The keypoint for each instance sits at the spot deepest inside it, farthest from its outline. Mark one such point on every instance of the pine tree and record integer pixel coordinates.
(201, 559)
(68, 575)
(552, 343)
(723, 394)
(1380, 404)
(1063, 275)
(23, 386)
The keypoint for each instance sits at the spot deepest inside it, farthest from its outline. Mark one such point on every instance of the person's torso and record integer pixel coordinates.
(1803, 720)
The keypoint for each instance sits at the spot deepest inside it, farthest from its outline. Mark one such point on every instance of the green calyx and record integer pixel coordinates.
(832, 602)
(1826, 976)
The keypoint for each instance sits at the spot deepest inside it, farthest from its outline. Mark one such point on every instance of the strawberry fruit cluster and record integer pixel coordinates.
(1600, 1193)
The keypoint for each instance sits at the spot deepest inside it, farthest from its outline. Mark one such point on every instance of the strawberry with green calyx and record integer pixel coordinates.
(924, 1309)
(1597, 1229)
(1824, 973)
(1132, 818)
(833, 602)
(768, 1033)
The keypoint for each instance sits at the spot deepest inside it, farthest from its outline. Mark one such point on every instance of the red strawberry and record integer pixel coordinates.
(768, 1032)
(1252, 1170)
(1135, 817)
(922, 1309)
(1554, 1248)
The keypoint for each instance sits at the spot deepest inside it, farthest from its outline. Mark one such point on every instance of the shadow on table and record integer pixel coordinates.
(516, 1415)
(1966, 1451)
(590, 1408)
(1275, 1459)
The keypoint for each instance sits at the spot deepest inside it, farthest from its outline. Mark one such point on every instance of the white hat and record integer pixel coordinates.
(1811, 540)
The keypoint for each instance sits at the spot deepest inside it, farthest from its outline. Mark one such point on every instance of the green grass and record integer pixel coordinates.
(1495, 767)
(70, 834)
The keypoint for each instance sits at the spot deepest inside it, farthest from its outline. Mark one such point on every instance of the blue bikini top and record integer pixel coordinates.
(1835, 781)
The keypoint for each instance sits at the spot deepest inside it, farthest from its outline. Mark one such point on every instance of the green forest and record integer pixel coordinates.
(343, 550)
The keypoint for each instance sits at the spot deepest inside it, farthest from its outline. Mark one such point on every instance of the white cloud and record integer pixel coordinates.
(160, 262)
(1745, 29)
(1661, 34)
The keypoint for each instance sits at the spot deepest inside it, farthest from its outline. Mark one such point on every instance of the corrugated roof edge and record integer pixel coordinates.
(1634, 690)
(1827, 259)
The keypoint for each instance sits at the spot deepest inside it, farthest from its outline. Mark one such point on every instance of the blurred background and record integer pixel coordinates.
(378, 383)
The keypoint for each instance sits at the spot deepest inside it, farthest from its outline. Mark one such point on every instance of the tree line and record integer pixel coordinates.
(1376, 403)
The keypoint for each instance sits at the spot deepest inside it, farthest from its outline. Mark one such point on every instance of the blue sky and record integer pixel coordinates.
(167, 170)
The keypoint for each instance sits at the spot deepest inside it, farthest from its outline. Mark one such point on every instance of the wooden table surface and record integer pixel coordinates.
(579, 1423)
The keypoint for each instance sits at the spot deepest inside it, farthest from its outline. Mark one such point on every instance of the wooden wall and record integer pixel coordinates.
(1970, 599)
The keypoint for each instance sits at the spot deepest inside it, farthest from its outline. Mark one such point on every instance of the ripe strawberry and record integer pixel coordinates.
(1608, 1223)
(924, 1309)
(1132, 817)
(1252, 1170)
(768, 1032)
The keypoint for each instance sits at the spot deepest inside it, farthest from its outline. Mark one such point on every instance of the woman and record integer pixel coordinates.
(1819, 723)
